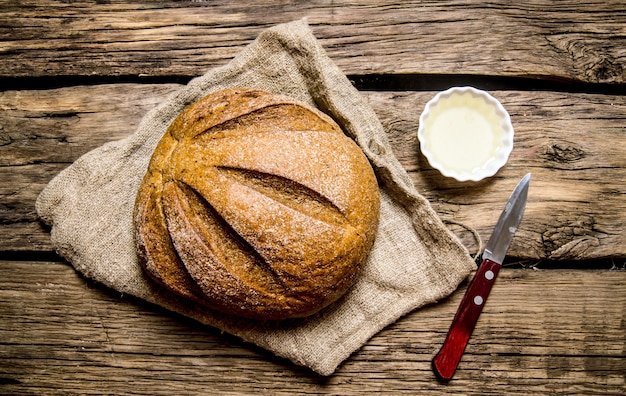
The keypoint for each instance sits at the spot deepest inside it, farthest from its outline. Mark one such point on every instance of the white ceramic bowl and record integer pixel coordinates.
(465, 133)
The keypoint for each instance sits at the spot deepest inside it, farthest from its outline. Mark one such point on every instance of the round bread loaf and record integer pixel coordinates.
(256, 205)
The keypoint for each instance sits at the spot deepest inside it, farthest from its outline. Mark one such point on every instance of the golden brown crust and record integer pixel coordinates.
(256, 205)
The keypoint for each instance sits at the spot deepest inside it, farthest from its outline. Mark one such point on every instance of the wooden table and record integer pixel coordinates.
(74, 75)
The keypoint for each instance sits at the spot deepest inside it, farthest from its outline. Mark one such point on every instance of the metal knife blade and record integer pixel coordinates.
(447, 359)
(508, 222)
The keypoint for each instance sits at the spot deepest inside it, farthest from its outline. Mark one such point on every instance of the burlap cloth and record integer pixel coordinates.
(415, 260)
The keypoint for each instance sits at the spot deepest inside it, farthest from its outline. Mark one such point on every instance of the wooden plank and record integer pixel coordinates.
(570, 215)
(557, 332)
(20, 227)
(579, 41)
(59, 125)
(43, 132)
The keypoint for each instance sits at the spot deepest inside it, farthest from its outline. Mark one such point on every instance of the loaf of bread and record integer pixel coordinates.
(256, 205)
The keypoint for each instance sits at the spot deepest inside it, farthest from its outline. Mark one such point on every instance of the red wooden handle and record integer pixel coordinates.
(447, 359)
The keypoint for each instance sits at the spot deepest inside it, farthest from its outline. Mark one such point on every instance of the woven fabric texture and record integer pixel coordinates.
(415, 260)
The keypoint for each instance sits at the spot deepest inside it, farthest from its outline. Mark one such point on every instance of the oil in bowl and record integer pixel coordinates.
(465, 133)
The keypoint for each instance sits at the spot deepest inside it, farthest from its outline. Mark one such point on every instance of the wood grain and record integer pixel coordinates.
(571, 40)
(569, 215)
(568, 141)
(551, 332)
(560, 70)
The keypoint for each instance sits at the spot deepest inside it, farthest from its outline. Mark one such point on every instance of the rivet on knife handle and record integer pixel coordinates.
(447, 359)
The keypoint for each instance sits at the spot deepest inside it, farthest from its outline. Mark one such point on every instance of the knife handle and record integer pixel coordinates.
(447, 359)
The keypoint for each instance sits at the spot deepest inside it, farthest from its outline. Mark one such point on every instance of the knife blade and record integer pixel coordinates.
(448, 357)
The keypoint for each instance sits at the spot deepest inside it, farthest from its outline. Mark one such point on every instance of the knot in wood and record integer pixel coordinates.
(567, 234)
(607, 70)
(564, 152)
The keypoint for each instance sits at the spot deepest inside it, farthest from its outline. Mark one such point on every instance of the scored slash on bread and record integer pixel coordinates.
(256, 205)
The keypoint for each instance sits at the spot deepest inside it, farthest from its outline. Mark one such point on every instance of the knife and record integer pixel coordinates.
(447, 359)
